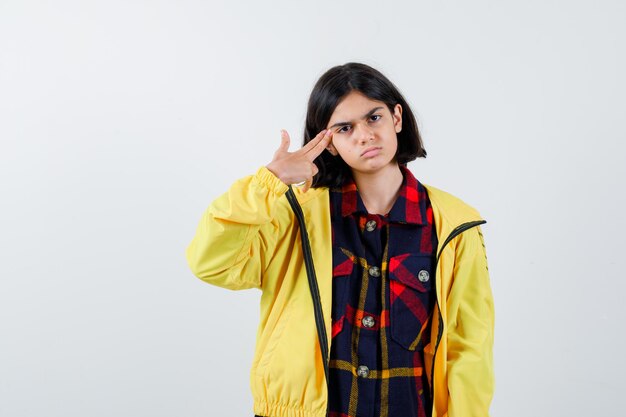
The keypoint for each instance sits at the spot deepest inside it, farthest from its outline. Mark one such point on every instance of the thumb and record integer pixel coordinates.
(284, 142)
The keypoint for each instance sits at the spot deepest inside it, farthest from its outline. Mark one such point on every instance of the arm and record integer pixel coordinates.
(238, 233)
(470, 330)
(237, 236)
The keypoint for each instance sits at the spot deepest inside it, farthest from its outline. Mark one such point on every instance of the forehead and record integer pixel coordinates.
(353, 106)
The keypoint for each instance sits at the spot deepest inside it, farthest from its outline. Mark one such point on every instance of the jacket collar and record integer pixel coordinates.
(448, 211)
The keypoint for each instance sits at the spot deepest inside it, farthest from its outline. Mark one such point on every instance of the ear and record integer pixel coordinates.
(331, 148)
(397, 118)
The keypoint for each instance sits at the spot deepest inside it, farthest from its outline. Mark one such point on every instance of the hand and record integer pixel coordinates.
(298, 166)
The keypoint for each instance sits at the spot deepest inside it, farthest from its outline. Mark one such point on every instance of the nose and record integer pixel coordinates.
(363, 133)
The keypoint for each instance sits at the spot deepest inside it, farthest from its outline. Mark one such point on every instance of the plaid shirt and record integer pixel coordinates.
(383, 298)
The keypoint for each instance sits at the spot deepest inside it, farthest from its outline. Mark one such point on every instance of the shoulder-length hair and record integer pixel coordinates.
(334, 85)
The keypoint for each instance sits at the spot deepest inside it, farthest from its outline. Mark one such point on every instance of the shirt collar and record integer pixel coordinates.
(409, 207)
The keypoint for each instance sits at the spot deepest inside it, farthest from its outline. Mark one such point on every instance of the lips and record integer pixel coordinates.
(371, 151)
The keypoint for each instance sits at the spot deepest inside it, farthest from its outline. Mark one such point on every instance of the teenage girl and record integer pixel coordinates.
(375, 289)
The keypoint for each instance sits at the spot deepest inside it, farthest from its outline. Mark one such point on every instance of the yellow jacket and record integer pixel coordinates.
(248, 238)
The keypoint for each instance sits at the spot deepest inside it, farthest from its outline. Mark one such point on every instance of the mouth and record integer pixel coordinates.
(372, 151)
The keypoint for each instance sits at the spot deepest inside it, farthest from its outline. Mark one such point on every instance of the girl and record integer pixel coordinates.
(375, 290)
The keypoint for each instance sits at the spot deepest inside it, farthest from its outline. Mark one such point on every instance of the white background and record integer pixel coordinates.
(120, 121)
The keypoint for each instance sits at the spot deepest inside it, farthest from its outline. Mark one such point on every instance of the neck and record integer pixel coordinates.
(379, 190)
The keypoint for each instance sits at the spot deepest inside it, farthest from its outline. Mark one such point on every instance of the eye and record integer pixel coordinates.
(375, 117)
(342, 129)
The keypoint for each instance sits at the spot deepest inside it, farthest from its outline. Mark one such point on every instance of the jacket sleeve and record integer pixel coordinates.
(237, 235)
(470, 330)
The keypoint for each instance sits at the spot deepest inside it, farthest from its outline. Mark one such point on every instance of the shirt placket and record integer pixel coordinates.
(372, 247)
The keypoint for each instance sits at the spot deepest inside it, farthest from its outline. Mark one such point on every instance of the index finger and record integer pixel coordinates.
(313, 142)
(319, 147)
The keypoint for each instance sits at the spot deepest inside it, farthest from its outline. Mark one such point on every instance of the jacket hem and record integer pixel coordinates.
(280, 410)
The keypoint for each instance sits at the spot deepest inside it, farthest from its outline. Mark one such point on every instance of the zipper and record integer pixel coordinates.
(308, 262)
(454, 233)
(317, 307)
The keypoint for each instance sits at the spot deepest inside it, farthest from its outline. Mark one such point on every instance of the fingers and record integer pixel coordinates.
(313, 142)
(307, 185)
(309, 181)
(320, 145)
(284, 141)
(294, 166)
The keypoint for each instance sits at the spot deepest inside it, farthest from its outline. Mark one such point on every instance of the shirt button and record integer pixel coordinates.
(363, 371)
(423, 275)
(368, 321)
(371, 225)
(374, 271)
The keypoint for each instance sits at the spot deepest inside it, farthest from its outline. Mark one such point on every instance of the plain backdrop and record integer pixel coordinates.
(120, 121)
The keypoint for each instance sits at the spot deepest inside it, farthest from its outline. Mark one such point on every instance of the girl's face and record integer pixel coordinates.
(365, 132)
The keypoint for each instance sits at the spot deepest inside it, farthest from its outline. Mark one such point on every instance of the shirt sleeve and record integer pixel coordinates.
(237, 233)
(470, 330)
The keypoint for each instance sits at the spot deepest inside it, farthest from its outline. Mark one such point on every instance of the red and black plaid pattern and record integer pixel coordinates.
(383, 298)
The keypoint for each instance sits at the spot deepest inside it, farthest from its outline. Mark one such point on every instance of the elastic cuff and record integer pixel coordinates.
(271, 181)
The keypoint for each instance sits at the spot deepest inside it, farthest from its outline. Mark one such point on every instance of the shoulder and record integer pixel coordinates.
(452, 208)
(314, 204)
(313, 196)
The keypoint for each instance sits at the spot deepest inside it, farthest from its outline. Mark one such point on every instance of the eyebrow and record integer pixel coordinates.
(369, 113)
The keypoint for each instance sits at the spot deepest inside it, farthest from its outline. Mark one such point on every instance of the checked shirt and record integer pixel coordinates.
(383, 298)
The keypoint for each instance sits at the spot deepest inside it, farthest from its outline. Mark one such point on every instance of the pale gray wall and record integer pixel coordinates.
(121, 120)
